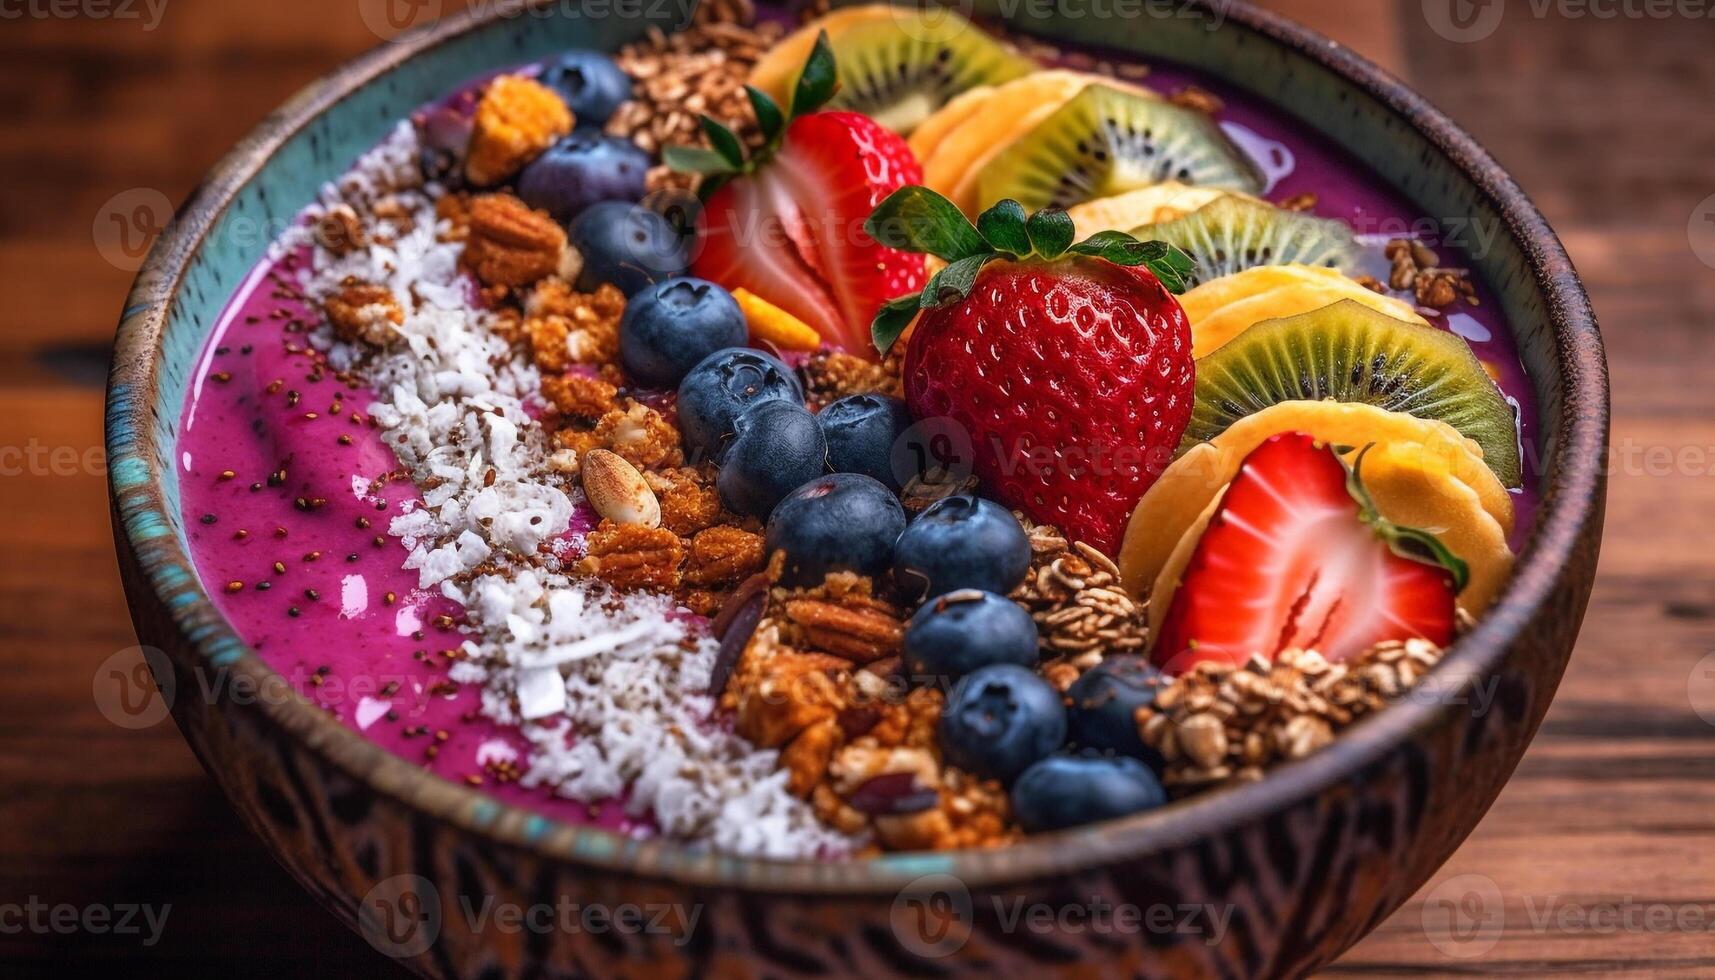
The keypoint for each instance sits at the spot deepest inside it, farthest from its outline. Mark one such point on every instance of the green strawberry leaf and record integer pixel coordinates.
(1171, 265)
(1421, 546)
(819, 81)
(954, 282)
(917, 219)
(768, 115)
(891, 320)
(1407, 542)
(1003, 227)
(695, 160)
(1051, 232)
(725, 142)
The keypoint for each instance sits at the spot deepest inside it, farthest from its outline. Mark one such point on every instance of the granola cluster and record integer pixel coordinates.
(819, 679)
(1417, 268)
(681, 77)
(1218, 723)
(1082, 612)
(516, 119)
(366, 313)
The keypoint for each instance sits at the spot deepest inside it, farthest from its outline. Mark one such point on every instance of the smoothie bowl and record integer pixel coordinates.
(795, 489)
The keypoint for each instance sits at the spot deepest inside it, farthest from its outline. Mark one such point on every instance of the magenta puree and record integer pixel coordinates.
(278, 462)
(302, 566)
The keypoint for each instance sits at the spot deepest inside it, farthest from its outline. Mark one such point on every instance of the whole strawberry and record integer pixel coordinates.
(787, 223)
(1069, 365)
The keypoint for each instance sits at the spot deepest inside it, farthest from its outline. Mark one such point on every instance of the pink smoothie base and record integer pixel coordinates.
(260, 403)
(325, 622)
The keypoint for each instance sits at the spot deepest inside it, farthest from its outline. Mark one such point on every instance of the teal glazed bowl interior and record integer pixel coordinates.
(1304, 862)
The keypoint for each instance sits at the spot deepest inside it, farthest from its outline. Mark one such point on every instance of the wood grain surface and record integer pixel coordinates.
(1598, 859)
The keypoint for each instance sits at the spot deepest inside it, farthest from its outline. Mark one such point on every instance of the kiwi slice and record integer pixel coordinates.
(1233, 234)
(1108, 141)
(901, 68)
(1350, 353)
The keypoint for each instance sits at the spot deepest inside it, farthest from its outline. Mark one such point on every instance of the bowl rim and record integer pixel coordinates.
(1571, 492)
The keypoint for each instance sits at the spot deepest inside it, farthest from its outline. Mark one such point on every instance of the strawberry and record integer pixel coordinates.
(787, 223)
(1069, 366)
(1295, 555)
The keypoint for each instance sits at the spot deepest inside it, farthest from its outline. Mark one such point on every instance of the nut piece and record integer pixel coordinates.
(510, 244)
(723, 556)
(617, 491)
(631, 556)
(516, 120)
(365, 312)
(340, 231)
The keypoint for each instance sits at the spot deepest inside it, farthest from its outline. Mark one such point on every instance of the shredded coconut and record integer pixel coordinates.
(611, 690)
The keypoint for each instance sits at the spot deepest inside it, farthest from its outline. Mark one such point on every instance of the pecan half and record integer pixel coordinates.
(510, 244)
(632, 556)
(723, 556)
(857, 633)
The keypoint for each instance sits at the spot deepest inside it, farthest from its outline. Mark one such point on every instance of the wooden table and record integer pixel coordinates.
(1613, 810)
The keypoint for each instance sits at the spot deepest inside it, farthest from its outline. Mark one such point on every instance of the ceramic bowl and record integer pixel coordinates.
(1299, 865)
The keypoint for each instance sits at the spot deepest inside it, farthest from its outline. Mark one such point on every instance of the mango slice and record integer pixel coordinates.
(1144, 206)
(1236, 302)
(776, 326)
(1174, 503)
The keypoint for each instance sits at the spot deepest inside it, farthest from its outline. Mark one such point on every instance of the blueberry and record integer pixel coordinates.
(777, 447)
(1102, 706)
(721, 386)
(626, 245)
(670, 327)
(582, 169)
(589, 81)
(862, 431)
(999, 719)
(1074, 790)
(962, 631)
(840, 522)
(962, 542)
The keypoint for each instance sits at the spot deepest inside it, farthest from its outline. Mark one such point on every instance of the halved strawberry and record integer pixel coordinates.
(748, 237)
(1296, 556)
(788, 222)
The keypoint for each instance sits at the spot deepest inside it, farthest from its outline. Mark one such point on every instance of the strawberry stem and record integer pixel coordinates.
(1407, 542)
(817, 83)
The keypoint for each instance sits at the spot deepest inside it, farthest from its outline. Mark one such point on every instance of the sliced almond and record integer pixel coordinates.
(617, 491)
